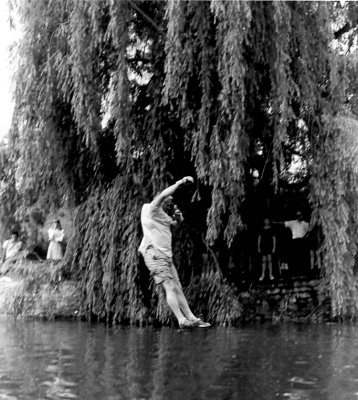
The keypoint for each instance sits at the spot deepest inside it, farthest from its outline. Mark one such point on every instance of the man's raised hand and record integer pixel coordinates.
(186, 179)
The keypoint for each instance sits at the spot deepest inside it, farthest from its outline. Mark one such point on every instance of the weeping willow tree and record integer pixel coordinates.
(116, 99)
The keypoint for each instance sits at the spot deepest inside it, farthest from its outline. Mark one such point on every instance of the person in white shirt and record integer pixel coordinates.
(298, 226)
(157, 219)
(298, 249)
(56, 236)
(12, 247)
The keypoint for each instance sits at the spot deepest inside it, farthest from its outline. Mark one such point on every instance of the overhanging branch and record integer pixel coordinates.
(145, 16)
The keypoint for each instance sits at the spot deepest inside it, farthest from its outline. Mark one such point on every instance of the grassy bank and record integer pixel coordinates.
(31, 289)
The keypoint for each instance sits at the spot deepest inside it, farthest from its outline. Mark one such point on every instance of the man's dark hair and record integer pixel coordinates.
(14, 232)
(168, 206)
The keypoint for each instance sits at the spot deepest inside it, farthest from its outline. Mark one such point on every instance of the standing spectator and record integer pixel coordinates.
(12, 247)
(315, 239)
(298, 226)
(266, 247)
(283, 247)
(56, 235)
(298, 248)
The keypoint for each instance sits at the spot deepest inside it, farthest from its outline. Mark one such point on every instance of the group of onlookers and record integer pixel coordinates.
(303, 242)
(14, 246)
(292, 252)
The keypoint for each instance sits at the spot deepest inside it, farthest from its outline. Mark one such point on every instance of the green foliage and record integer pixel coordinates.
(116, 99)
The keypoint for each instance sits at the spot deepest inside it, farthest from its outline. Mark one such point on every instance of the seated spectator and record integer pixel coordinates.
(266, 247)
(56, 235)
(12, 247)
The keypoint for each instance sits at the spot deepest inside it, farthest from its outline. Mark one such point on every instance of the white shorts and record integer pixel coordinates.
(161, 267)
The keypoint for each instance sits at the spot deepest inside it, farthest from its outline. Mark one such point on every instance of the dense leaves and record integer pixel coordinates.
(116, 99)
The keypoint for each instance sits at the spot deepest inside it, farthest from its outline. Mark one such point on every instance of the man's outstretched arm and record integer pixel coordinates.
(169, 191)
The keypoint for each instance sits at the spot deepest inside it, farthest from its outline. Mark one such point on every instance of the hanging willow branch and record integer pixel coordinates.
(116, 99)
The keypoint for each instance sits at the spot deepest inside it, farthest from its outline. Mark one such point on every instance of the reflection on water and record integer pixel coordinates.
(75, 360)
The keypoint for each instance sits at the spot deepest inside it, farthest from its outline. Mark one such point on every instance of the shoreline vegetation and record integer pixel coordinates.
(258, 101)
(41, 290)
(33, 289)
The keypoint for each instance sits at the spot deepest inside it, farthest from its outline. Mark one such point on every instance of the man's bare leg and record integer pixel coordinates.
(186, 310)
(184, 306)
(171, 292)
(178, 303)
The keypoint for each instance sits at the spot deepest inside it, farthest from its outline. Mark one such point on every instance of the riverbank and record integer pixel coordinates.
(299, 299)
(33, 289)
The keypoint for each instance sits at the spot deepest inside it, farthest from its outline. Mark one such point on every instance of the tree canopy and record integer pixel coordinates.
(116, 99)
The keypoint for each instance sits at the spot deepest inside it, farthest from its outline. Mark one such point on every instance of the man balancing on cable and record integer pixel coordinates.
(157, 219)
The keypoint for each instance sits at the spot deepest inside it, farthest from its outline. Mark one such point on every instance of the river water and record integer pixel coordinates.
(77, 360)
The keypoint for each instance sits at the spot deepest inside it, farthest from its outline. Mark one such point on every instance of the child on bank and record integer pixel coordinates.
(266, 247)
